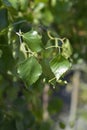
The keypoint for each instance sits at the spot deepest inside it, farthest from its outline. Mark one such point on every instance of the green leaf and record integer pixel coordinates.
(29, 70)
(59, 65)
(66, 49)
(33, 40)
(3, 19)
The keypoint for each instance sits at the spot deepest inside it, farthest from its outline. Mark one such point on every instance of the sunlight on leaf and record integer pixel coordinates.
(59, 65)
(33, 40)
(66, 49)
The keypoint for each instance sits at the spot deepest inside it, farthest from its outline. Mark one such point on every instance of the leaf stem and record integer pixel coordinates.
(52, 79)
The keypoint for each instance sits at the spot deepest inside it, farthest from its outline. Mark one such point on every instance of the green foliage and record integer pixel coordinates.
(30, 57)
(33, 40)
(59, 66)
(55, 105)
(66, 49)
(29, 70)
